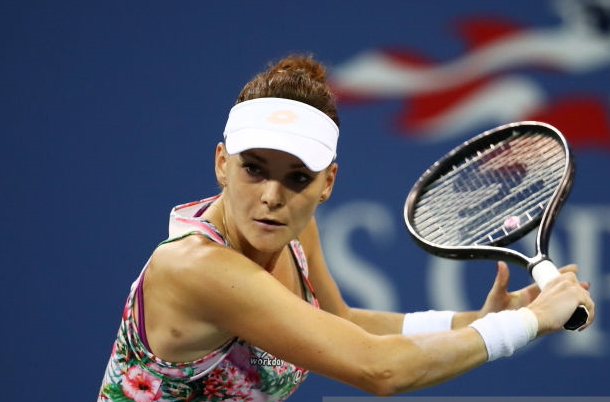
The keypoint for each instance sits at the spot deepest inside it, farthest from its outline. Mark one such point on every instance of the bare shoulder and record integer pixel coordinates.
(184, 289)
(204, 280)
(183, 254)
(188, 266)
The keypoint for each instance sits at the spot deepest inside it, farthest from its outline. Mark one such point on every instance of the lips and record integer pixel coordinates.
(270, 222)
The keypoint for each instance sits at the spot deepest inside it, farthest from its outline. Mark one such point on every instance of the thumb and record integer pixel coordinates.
(502, 277)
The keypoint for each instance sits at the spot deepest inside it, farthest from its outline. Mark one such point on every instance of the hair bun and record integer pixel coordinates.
(298, 77)
(300, 64)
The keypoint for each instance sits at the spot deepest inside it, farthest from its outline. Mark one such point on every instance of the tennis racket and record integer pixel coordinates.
(492, 190)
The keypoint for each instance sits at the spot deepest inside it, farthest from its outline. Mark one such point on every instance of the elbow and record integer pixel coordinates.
(380, 383)
(385, 387)
(383, 381)
(393, 374)
(392, 365)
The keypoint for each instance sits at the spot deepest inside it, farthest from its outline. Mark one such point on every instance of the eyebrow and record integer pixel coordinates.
(261, 159)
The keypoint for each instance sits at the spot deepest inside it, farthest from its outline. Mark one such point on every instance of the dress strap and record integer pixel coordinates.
(301, 260)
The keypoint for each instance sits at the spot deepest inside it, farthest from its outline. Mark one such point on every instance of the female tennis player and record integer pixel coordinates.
(238, 304)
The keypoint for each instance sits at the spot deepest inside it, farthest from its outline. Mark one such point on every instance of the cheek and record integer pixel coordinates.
(242, 196)
(304, 209)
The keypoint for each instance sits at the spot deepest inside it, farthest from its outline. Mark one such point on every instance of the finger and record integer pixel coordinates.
(566, 277)
(589, 305)
(571, 276)
(529, 293)
(569, 268)
(583, 296)
(502, 276)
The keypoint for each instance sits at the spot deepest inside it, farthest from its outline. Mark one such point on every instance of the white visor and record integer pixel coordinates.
(284, 125)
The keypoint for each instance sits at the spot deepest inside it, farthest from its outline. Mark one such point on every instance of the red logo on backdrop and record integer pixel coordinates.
(492, 82)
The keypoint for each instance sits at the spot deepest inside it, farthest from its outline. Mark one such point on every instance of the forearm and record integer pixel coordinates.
(455, 352)
(376, 322)
(433, 356)
(385, 323)
(422, 360)
(390, 364)
(444, 354)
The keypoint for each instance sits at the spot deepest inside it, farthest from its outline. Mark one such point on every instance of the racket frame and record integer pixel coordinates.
(543, 221)
(540, 267)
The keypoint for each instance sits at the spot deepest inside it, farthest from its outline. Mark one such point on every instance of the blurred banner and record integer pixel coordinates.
(110, 116)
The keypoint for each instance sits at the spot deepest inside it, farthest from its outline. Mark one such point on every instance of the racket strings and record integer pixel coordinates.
(472, 179)
(492, 193)
(441, 190)
(477, 181)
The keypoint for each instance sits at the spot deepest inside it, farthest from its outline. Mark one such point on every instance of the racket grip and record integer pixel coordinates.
(542, 273)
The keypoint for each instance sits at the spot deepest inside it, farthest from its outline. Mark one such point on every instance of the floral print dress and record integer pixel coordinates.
(236, 371)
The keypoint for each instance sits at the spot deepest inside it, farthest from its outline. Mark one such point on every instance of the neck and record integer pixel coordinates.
(267, 260)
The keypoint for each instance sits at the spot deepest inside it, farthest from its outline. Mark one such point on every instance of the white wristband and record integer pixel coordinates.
(531, 322)
(427, 321)
(506, 331)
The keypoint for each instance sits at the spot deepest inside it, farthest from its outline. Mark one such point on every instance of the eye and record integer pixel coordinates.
(300, 178)
(252, 169)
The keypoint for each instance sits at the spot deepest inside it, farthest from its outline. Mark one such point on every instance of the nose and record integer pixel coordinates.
(273, 194)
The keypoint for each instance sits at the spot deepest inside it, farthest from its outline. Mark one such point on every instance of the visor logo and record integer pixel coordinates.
(282, 117)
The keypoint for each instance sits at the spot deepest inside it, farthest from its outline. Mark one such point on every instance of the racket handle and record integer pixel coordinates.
(542, 273)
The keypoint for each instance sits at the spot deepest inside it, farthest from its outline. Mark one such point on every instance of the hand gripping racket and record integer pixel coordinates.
(491, 191)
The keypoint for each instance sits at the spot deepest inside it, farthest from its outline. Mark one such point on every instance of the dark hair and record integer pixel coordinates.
(297, 77)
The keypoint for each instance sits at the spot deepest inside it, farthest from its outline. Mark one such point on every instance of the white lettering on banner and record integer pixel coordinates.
(586, 228)
(356, 276)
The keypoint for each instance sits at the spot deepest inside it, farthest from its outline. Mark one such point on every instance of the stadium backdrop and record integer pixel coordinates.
(110, 114)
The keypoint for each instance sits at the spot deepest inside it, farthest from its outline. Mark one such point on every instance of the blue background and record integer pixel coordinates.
(110, 112)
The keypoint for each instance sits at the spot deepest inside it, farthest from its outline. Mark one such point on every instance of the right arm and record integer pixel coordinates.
(218, 286)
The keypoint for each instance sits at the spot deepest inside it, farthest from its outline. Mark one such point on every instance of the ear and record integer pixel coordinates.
(220, 164)
(331, 175)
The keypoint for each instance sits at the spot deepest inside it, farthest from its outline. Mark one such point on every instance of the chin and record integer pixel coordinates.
(270, 247)
(269, 244)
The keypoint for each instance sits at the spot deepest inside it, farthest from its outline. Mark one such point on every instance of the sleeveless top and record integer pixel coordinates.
(235, 371)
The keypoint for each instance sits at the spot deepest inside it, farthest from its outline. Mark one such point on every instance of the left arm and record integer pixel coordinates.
(385, 322)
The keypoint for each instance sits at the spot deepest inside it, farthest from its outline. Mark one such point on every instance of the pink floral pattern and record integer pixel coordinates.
(237, 371)
(140, 385)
